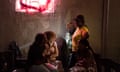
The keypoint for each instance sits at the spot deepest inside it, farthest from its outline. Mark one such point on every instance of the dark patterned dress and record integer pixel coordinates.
(84, 62)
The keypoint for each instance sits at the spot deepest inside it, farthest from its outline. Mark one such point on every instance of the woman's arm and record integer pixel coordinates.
(84, 33)
(56, 49)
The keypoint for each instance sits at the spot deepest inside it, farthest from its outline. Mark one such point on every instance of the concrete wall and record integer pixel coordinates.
(23, 27)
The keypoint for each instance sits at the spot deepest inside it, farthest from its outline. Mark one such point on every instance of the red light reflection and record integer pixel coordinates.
(43, 6)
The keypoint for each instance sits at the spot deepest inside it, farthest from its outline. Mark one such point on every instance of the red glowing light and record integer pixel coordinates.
(43, 6)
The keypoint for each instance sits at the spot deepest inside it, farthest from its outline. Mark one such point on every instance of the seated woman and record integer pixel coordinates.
(83, 59)
(51, 38)
(38, 55)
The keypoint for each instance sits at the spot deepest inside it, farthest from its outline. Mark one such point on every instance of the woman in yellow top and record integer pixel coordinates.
(81, 32)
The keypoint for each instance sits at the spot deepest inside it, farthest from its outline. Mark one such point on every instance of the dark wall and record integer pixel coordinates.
(113, 31)
(23, 27)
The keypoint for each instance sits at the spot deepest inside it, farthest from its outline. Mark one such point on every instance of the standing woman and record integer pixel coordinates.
(80, 33)
(82, 57)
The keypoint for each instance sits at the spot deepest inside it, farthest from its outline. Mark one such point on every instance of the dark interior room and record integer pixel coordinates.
(22, 20)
